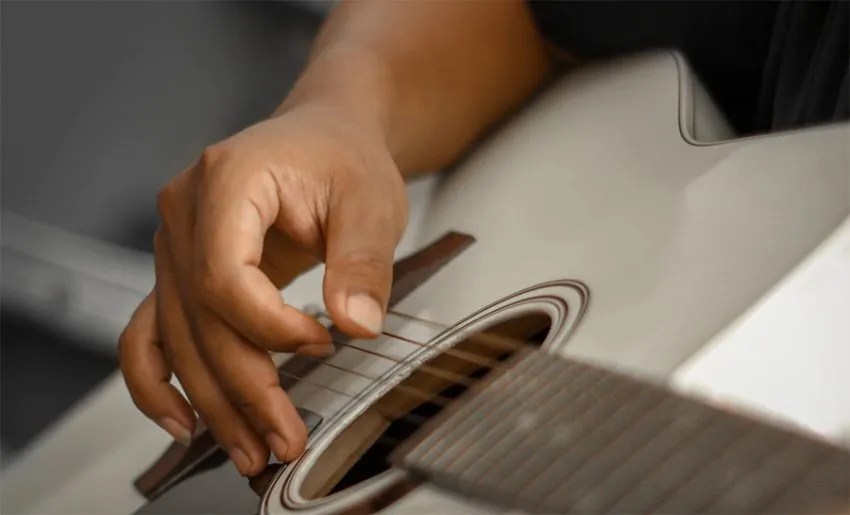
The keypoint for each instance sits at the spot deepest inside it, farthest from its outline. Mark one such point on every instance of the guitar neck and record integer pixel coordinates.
(548, 434)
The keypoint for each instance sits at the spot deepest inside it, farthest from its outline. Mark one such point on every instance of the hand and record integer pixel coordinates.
(254, 212)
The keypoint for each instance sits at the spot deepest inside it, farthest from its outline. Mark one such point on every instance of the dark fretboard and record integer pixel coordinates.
(548, 434)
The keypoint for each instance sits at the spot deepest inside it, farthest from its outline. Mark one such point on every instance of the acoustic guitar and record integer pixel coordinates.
(566, 268)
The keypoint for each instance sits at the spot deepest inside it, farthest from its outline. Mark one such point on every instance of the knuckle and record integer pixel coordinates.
(125, 341)
(257, 464)
(167, 202)
(212, 155)
(159, 242)
(214, 414)
(299, 438)
(403, 211)
(138, 389)
(366, 266)
(141, 401)
(210, 285)
(254, 400)
(137, 384)
(217, 420)
(177, 361)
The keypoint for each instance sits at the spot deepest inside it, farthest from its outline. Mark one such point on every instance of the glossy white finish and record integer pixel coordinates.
(594, 182)
(788, 355)
(599, 180)
(562, 302)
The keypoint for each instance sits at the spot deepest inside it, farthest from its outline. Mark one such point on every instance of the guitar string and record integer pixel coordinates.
(424, 395)
(430, 370)
(489, 339)
(436, 372)
(486, 337)
(420, 418)
(463, 355)
(415, 420)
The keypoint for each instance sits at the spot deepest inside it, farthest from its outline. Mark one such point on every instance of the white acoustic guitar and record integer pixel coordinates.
(616, 224)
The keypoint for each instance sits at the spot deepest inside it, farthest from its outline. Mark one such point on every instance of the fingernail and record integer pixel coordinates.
(278, 445)
(241, 460)
(365, 312)
(177, 430)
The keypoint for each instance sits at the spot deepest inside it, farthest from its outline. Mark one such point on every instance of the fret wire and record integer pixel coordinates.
(731, 432)
(657, 460)
(572, 396)
(709, 471)
(596, 431)
(483, 414)
(642, 448)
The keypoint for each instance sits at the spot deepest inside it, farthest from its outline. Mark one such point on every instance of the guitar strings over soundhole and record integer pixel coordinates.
(361, 450)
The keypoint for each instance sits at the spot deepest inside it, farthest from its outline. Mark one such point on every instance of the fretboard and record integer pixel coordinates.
(548, 434)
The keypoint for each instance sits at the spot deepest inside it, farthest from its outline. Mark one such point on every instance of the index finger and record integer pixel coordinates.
(233, 214)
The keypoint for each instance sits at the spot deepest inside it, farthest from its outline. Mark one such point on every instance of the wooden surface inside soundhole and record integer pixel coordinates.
(439, 374)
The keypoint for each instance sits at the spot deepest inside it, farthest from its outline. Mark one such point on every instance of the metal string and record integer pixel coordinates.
(489, 339)
(488, 363)
(416, 420)
(426, 396)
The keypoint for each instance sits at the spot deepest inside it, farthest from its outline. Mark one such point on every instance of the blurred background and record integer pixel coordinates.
(103, 102)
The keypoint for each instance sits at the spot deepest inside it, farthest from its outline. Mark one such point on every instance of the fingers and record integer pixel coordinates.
(363, 231)
(232, 383)
(227, 424)
(218, 308)
(250, 378)
(147, 375)
(232, 217)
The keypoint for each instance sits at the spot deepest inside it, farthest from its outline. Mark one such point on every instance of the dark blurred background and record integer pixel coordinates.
(103, 102)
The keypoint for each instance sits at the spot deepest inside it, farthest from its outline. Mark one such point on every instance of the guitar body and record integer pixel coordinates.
(602, 209)
(616, 221)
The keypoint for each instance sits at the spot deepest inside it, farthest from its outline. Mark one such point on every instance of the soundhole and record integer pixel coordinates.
(361, 451)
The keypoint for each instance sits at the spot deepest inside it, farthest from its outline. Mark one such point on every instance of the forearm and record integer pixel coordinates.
(429, 77)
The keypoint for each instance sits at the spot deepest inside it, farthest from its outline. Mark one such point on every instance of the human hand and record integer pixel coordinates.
(254, 212)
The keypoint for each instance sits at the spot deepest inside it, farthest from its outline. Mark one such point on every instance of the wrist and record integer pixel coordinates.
(352, 84)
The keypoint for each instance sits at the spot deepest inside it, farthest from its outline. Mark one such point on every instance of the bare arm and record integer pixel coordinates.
(431, 75)
(392, 88)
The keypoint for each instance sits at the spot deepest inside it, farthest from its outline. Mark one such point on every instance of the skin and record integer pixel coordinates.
(391, 89)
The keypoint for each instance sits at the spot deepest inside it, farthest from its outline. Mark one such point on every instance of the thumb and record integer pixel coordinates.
(362, 233)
